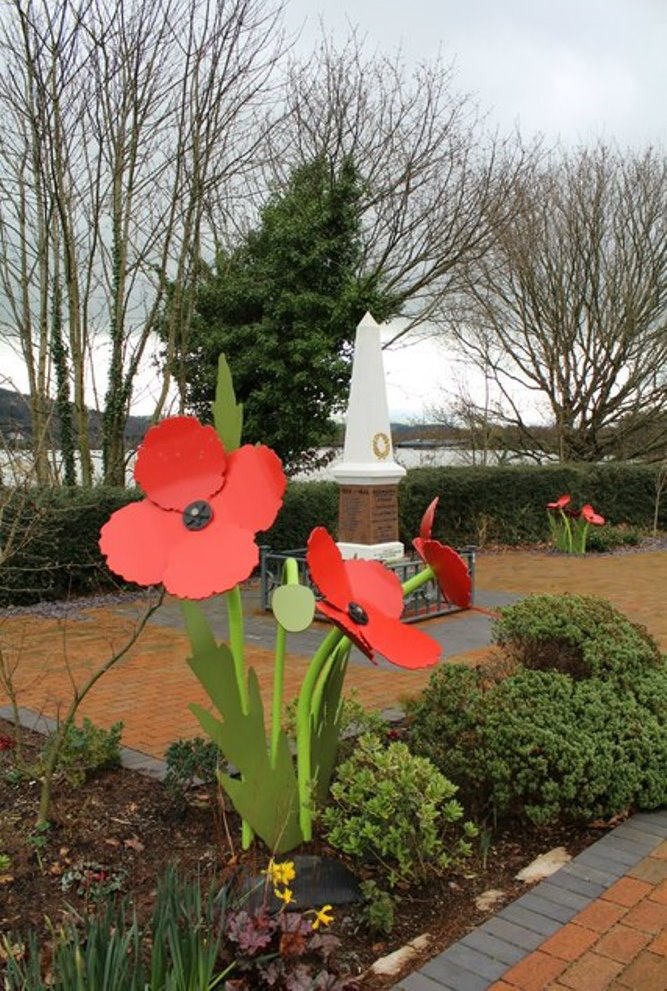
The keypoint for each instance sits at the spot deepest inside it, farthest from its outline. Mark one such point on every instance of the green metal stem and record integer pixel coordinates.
(237, 641)
(237, 647)
(290, 577)
(337, 656)
(412, 584)
(303, 728)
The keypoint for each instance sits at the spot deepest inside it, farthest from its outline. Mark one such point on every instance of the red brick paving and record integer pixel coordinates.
(617, 943)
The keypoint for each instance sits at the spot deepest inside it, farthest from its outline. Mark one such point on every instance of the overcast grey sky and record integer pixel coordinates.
(571, 70)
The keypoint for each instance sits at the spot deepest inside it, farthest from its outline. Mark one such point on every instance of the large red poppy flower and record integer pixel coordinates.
(449, 568)
(365, 600)
(195, 533)
(589, 515)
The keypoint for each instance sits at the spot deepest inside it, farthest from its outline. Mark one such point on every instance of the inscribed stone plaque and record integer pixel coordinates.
(368, 514)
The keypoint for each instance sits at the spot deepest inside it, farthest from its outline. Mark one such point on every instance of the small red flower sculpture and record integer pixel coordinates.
(449, 567)
(365, 600)
(590, 516)
(195, 533)
(560, 503)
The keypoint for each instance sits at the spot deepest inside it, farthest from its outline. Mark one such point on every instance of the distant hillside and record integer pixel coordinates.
(16, 423)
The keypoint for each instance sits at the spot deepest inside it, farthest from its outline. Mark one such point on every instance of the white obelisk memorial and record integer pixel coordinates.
(368, 476)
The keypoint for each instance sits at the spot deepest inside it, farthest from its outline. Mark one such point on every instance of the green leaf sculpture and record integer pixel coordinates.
(266, 796)
(227, 413)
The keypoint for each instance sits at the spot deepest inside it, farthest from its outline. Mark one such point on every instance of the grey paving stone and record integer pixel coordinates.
(493, 947)
(553, 910)
(653, 822)
(134, 760)
(554, 893)
(418, 982)
(579, 885)
(513, 933)
(621, 848)
(640, 836)
(590, 874)
(470, 958)
(625, 858)
(529, 919)
(453, 977)
(602, 863)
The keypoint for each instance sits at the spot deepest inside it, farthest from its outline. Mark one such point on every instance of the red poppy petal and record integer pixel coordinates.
(371, 581)
(451, 571)
(589, 514)
(327, 568)
(254, 488)
(179, 462)
(426, 528)
(560, 502)
(210, 561)
(348, 626)
(401, 644)
(138, 539)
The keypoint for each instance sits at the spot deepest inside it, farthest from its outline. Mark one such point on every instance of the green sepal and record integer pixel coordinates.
(227, 413)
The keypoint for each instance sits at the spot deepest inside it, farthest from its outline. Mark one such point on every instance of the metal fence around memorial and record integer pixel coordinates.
(426, 603)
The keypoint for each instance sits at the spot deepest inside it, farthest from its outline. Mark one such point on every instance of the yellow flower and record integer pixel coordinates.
(285, 896)
(322, 918)
(281, 873)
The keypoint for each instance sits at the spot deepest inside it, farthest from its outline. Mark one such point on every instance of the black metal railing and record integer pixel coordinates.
(426, 603)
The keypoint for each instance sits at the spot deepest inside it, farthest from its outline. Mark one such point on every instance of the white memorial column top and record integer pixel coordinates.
(368, 455)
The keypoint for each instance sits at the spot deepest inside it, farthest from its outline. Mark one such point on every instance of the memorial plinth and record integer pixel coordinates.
(368, 476)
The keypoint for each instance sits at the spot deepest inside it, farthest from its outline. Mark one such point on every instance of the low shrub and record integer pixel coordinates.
(607, 538)
(393, 808)
(576, 730)
(579, 635)
(86, 749)
(190, 762)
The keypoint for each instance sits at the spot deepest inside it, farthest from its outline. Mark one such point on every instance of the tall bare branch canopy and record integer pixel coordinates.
(571, 303)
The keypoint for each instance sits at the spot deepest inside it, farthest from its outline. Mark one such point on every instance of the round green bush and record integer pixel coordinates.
(393, 808)
(542, 746)
(578, 635)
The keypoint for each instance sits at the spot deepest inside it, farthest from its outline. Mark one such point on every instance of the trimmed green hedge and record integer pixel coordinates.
(506, 504)
(477, 505)
(57, 554)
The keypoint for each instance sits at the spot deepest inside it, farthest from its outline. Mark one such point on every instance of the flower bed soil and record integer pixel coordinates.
(129, 825)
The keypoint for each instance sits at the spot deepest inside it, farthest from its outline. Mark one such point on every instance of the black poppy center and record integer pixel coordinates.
(357, 614)
(197, 515)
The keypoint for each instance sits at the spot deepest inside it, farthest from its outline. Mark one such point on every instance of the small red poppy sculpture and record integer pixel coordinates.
(195, 531)
(569, 527)
(449, 568)
(365, 600)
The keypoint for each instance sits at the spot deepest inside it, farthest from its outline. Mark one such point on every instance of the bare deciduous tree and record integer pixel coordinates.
(435, 188)
(571, 304)
(122, 120)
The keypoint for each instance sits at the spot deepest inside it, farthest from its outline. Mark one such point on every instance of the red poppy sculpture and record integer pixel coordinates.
(195, 531)
(449, 568)
(365, 601)
(589, 515)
